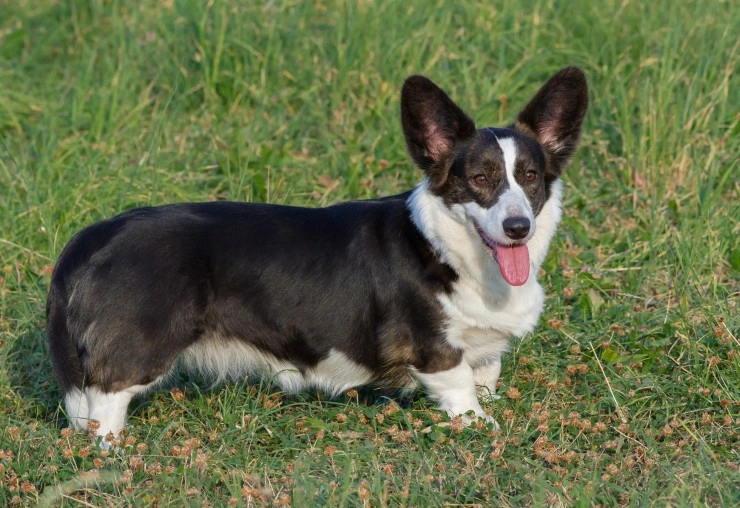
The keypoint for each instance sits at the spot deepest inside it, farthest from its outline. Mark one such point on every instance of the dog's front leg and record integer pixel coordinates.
(454, 390)
(486, 377)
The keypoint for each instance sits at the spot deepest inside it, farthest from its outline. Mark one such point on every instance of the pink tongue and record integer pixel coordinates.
(514, 263)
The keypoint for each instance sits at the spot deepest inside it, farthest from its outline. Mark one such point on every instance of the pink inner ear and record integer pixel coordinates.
(549, 131)
(438, 145)
(548, 135)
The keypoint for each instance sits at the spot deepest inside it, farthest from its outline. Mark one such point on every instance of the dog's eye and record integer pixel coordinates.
(530, 176)
(480, 180)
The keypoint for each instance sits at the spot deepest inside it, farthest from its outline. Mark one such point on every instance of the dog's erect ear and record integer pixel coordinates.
(555, 114)
(432, 124)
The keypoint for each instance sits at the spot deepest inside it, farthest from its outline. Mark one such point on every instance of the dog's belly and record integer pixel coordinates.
(220, 359)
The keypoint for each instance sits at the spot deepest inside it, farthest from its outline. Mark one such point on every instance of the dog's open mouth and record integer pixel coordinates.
(513, 260)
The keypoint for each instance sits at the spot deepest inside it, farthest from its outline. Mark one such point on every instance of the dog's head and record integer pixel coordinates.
(498, 179)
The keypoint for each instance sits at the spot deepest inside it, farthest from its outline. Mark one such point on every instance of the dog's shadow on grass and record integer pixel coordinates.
(190, 397)
(32, 386)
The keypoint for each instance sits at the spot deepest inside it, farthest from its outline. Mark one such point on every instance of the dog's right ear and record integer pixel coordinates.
(432, 125)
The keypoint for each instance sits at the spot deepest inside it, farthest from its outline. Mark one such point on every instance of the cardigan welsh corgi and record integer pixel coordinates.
(423, 288)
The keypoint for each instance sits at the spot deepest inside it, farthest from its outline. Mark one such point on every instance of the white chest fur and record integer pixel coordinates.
(483, 326)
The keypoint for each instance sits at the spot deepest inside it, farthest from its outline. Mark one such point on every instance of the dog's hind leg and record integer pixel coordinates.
(102, 413)
(107, 411)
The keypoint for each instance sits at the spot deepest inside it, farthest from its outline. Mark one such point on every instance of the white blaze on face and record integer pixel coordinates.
(514, 200)
(508, 147)
(512, 258)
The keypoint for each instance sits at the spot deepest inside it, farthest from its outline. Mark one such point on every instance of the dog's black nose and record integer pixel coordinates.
(516, 228)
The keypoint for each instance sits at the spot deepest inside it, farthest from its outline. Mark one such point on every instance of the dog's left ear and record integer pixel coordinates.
(432, 125)
(555, 115)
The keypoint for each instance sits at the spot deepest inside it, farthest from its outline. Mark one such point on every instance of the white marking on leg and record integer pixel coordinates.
(486, 377)
(109, 409)
(75, 403)
(454, 390)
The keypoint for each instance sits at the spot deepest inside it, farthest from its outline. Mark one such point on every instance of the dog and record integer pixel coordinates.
(424, 288)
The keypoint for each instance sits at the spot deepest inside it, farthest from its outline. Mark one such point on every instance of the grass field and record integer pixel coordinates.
(628, 393)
